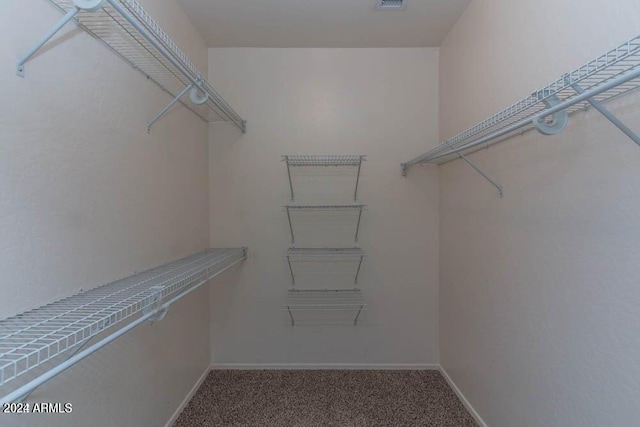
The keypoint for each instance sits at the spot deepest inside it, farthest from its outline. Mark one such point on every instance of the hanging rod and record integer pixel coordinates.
(547, 110)
(129, 31)
(37, 339)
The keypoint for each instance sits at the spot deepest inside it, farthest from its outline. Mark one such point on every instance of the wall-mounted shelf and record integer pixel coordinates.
(324, 255)
(324, 208)
(325, 300)
(548, 109)
(128, 30)
(324, 160)
(41, 338)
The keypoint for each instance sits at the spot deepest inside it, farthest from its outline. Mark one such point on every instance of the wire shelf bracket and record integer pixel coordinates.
(128, 30)
(324, 160)
(612, 74)
(317, 208)
(326, 255)
(52, 338)
(324, 300)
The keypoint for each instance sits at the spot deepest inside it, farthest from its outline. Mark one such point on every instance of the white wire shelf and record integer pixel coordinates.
(347, 207)
(324, 160)
(606, 77)
(128, 30)
(325, 300)
(31, 339)
(324, 255)
(324, 208)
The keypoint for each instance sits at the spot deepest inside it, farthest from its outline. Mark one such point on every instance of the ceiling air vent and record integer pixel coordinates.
(391, 4)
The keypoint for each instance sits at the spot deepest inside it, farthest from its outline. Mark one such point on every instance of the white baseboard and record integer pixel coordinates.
(463, 399)
(300, 366)
(188, 397)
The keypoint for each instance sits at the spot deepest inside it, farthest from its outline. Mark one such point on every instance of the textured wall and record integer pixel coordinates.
(378, 102)
(87, 197)
(539, 291)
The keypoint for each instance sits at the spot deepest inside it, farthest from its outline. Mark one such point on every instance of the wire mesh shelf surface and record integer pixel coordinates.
(30, 339)
(324, 160)
(114, 30)
(325, 299)
(325, 254)
(346, 207)
(607, 76)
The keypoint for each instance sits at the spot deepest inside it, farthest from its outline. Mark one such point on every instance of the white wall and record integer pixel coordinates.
(378, 102)
(539, 293)
(87, 197)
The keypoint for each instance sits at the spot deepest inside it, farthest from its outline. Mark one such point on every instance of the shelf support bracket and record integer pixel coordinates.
(355, 321)
(156, 306)
(78, 348)
(169, 105)
(64, 21)
(481, 172)
(293, 277)
(293, 240)
(358, 270)
(358, 225)
(293, 323)
(559, 119)
(613, 119)
(286, 159)
(355, 194)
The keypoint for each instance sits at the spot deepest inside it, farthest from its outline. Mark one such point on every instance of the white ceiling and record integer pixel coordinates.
(321, 23)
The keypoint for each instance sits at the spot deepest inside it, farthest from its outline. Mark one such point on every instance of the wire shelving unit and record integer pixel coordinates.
(547, 110)
(129, 31)
(326, 161)
(325, 300)
(324, 255)
(41, 338)
(324, 208)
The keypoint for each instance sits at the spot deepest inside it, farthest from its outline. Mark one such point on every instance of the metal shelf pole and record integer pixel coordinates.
(358, 225)
(481, 172)
(355, 321)
(355, 281)
(613, 119)
(289, 174)
(293, 278)
(355, 194)
(169, 105)
(68, 17)
(293, 240)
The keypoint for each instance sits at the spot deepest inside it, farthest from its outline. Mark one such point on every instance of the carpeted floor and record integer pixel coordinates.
(325, 398)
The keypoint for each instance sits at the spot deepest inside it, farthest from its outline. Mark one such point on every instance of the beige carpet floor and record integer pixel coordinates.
(325, 398)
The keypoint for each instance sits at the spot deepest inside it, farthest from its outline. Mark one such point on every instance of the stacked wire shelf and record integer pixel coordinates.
(354, 207)
(610, 75)
(129, 31)
(355, 255)
(326, 161)
(41, 338)
(324, 299)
